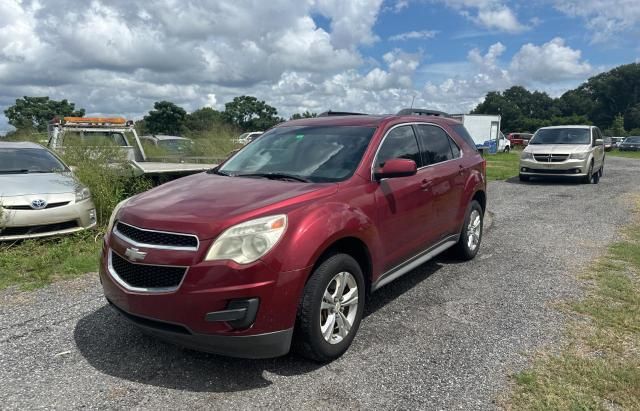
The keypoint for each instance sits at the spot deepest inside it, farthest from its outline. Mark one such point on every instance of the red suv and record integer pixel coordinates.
(284, 242)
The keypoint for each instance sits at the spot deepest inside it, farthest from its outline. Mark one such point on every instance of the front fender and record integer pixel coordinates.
(316, 228)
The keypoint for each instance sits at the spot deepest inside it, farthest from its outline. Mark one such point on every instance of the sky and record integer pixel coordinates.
(118, 57)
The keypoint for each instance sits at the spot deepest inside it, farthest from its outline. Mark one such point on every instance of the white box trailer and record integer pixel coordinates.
(485, 131)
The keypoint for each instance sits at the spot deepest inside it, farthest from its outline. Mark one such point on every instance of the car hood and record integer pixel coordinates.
(12, 185)
(557, 148)
(205, 204)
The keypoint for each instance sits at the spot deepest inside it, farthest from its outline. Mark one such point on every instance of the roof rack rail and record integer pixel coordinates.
(421, 112)
(339, 113)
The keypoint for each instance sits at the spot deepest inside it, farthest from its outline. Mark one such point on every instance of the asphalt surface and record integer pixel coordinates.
(448, 335)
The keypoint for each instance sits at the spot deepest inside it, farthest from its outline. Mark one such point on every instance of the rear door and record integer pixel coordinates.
(444, 176)
(404, 208)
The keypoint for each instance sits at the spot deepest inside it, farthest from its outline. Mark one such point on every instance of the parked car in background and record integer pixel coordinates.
(39, 196)
(504, 144)
(519, 139)
(608, 144)
(246, 138)
(293, 232)
(172, 145)
(631, 143)
(617, 140)
(575, 151)
(484, 129)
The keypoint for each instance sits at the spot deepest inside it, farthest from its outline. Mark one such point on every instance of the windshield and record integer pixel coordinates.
(632, 140)
(562, 136)
(176, 146)
(317, 154)
(29, 160)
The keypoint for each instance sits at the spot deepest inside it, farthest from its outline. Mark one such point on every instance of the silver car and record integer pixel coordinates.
(39, 195)
(574, 151)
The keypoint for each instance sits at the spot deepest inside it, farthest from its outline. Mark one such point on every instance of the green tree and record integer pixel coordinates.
(617, 126)
(250, 114)
(166, 118)
(204, 119)
(36, 112)
(306, 114)
(632, 117)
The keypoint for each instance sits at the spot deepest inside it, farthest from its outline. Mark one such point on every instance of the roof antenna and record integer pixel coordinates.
(412, 100)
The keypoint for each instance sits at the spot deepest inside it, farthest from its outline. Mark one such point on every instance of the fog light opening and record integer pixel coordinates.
(92, 215)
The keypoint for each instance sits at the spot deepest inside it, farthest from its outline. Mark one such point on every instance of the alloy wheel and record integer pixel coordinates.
(474, 230)
(339, 307)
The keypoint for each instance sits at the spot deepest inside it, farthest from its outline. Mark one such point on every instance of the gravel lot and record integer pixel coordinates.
(447, 335)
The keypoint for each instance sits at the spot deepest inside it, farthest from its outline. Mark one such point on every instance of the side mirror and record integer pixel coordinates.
(396, 167)
(599, 142)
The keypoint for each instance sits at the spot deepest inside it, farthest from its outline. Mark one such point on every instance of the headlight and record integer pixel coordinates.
(246, 242)
(579, 156)
(526, 155)
(82, 193)
(114, 214)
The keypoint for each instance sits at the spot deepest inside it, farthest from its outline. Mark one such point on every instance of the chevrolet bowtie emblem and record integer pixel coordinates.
(134, 254)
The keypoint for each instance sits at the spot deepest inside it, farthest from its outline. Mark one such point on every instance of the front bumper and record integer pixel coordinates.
(266, 345)
(21, 224)
(568, 168)
(210, 309)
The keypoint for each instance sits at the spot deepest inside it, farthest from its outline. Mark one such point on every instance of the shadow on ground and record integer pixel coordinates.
(546, 181)
(115, 347)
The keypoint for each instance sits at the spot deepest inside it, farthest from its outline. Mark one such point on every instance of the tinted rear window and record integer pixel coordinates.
(462, 132)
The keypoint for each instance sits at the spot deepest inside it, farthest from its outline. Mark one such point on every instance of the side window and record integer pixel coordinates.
(436, 144)
(464, 134)
(454, 148)
(399, 143)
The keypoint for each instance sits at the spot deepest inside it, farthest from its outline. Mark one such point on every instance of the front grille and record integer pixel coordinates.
(146, 276)
(37, 229)
(28, 207)
(551, 158)
(156, 238)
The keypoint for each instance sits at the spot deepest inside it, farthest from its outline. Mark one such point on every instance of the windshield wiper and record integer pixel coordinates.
(276, 176)
(19, 171)
(218, 172)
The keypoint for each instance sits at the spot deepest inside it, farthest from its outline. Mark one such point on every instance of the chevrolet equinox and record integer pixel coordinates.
(282, 244)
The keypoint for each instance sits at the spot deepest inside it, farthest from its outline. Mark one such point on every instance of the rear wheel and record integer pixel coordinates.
(601, 171)
(471, 235)
(331, 309)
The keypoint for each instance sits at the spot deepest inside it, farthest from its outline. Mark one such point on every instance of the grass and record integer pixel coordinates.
(626, 154)
(35, 263)
(502, 166)
(599, 368)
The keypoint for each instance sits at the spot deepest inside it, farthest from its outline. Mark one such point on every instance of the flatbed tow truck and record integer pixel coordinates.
(117, 131)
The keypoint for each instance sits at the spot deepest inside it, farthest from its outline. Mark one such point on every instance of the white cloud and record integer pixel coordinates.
(550, 62)
(118, 57)
(604, 18)
(490, 14)
(414, 35)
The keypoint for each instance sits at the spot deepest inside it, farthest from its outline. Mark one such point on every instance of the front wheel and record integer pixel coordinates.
(331, 309)
(471, 235)
(507, 149)
(589, 177)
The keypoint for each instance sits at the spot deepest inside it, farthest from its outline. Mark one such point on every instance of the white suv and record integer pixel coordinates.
(576, 151)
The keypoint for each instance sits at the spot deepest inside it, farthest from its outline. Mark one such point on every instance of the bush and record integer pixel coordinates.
(104, 171)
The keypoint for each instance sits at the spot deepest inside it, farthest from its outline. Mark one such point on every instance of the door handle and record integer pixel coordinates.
(460, 169)
(425, 185)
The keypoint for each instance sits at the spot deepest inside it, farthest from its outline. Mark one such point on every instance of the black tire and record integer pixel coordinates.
(308, 339)
(507, 149)
(601, 171)
(589, 177)
(523, 177)
(462, 250)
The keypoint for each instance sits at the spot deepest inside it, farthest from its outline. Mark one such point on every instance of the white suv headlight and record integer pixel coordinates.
(82, 193)
(244, 243)
(579, 156)
(526, 155)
